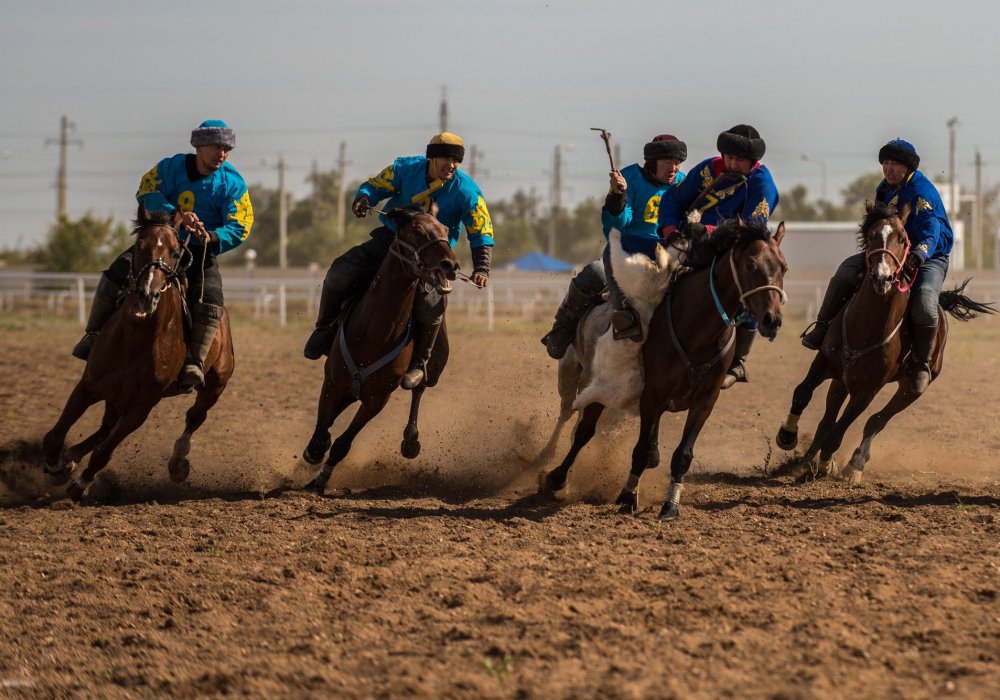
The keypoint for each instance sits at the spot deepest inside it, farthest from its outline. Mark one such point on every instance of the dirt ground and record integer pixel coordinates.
(448, 576)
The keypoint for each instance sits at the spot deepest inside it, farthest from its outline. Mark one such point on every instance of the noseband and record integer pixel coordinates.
(413, 260)
(172, 273)
(742, 314)
(897, 277)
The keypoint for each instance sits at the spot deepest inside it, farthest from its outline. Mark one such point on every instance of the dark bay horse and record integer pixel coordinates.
(374, 344)
(690, 346)
(867, 347)
(136, 359)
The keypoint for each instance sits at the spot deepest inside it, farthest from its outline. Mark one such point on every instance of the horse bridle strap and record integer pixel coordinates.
(359, 374)
(851, 356)
(415, 263)
(897, 276)
(742, 314)
(695, 372)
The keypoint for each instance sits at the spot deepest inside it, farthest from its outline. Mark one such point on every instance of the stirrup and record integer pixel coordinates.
(319, 343)
(738, 373)
(413, 378)
(918, 385)
(81, 350)
(192, 371)
(815, 327)
(625, 325)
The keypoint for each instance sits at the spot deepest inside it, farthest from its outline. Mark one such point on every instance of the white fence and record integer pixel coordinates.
(530, 297)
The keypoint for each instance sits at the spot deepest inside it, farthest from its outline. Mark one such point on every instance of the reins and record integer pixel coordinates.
(742, 315)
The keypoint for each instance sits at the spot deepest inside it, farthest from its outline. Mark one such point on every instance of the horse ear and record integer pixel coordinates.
(904, 213)
(142, 214)
(779, 233)
(400, 216)
(869, 206)
(433, 209)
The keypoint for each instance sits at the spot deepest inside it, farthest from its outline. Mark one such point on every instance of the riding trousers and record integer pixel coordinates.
(925, 292)
(118, 273)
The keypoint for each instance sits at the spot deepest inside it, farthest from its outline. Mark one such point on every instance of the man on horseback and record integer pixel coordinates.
(733, 184)
(218, 216)
(631, 207)
(929, 231)
(410, 180)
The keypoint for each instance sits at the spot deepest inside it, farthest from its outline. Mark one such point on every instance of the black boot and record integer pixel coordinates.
(205, 325)
(838, 292)
(104, 304)
(569, 313)
(331, 299)
(424, 335)
(625, 323)
(924, 338)
(738, 370)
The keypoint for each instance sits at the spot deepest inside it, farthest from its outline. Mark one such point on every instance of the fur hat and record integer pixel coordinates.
(213, 132)
(665, 147)
(445, 145)
(742, 141)
(900, 151)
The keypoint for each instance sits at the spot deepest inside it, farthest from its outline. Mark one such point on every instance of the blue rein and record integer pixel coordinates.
(742, 315)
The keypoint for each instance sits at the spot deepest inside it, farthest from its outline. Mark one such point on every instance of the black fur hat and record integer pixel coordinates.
(742, 141)
(900, 151)
(665, 147)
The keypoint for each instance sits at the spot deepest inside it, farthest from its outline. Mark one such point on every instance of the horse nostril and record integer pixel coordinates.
(446, 265)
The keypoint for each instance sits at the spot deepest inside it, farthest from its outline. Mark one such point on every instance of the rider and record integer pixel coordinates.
(631, 207)
(733, 184)
(216, 212)
(931, 239)
(409, 180)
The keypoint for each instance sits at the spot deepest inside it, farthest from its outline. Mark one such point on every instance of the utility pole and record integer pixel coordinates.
(282, 217)
(444, 108)
(473, 157)
(342, 191)
(65, 125)
(556, 199)
(953, 198)
(977, 215)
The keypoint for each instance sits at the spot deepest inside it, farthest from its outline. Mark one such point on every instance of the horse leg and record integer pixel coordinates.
(873, 426)
(73, 455)
(835, 397)
(568, 382)
(56, 466)
(645, 455)
(207, 395)
(410, 447)
(127, 424)
(835, 435)
(680, 461)
(330, 406)
(788, 433)
(369, 408)
(555, 480)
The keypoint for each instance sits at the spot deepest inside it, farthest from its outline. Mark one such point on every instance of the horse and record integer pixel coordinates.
(867, 347)
(373, 346)
(598, 368)
(702, 306)
(136, 360)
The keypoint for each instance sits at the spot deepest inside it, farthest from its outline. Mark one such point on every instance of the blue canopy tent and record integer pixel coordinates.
(538, 262)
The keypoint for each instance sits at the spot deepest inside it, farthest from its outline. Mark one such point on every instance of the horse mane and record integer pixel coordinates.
(879, 211)
(728, 235)
(153, 218)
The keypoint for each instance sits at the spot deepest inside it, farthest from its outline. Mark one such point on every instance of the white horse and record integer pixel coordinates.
(598, 368)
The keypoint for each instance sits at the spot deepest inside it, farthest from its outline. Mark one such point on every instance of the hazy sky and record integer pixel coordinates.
(296, 78)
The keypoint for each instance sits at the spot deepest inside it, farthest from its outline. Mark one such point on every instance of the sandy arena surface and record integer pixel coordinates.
(449, 576)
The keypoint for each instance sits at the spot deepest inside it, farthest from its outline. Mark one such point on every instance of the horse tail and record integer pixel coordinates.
(962, 307)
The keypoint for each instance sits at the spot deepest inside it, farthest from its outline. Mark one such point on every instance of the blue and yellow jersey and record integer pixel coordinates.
(221, 200)
(754, 200)
(460, 201)
(928, 227)
(637, 220)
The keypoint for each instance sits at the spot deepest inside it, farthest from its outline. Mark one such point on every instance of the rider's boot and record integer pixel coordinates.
(738, 369)
(569, 313)
(205, 320)
(838, 292)
(332, 297)
(424, 335)
(625, 323)
(104, 304)
(923, 349)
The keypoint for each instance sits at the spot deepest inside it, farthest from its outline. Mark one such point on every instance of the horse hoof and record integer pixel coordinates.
(786, 439)
(179, 468)
(76, 490)
(317, 486)
(628, 503)
(853, 476)
(669, 512)
(316, 450)
(410, 448)
(57, 476)
(553, 481)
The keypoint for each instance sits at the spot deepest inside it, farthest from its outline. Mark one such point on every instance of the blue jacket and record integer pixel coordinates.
(754, 201)
(221, 200)
(928, 227)
(460, 201)
(637, 221)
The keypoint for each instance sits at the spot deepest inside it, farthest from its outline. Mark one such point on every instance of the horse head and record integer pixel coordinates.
(425, 247)
(882, 237)
(156, 260)
(759, 269)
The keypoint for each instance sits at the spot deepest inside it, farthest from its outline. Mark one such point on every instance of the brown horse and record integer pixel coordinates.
(867, 347)
(374, 344)
(136, 360)
(691, 344)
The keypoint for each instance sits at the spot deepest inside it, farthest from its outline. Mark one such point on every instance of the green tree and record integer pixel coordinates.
(86, 244)
(793, 205)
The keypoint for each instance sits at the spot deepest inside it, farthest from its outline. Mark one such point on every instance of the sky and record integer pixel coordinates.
(831, 82)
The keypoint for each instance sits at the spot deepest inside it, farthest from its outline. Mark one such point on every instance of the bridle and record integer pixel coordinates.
(897, 278)
(172, 274)
(742, 313)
